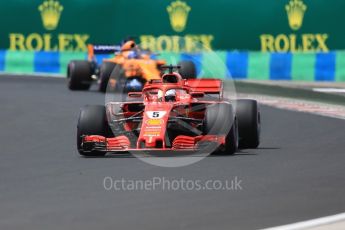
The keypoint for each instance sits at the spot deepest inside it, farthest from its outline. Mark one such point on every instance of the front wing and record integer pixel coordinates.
(122, 143)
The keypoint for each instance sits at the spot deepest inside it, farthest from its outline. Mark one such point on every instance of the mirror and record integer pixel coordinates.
(197, 94)
(135, 94)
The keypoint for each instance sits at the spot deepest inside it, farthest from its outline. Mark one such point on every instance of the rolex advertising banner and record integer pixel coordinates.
(174, 25)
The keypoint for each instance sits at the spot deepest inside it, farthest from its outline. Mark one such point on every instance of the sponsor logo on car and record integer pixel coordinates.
(152, 134)
(154, 122)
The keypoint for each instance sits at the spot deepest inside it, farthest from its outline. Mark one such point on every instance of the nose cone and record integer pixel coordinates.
(153, 128)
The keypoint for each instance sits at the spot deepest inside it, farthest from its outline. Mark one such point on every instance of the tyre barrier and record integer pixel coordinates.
(238, 65)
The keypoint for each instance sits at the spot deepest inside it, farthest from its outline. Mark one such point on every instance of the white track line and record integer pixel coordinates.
(329, 90)
(311, 223)
(47, 75)
(323, 109)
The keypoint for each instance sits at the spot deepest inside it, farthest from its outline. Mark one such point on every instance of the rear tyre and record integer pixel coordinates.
(220, 120)
(249, 123)
(92, 121)
(79, 75)
(104, 75)
(187, 70)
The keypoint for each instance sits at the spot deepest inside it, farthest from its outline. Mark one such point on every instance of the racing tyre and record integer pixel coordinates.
(187, 70)
(220, 120)
(79, 75)
(92, 121)
(249, 123)
(117, 80)
(104, 75)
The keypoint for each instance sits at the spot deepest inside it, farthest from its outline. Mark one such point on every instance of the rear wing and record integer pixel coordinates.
(101, 49)
(207, 86)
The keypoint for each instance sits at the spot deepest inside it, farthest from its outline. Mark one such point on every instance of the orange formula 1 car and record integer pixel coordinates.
(170, 114)
(128, 70)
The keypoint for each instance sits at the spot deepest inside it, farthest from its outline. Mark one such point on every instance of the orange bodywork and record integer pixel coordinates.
(143, 66)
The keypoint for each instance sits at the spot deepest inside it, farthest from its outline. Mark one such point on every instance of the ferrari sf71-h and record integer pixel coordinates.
(171, 114)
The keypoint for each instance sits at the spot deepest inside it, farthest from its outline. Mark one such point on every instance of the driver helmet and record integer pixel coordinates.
(170, 95)
(133, 54)
(129, 45)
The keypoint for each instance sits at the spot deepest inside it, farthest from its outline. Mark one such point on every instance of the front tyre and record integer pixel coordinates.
(104, 75)
(220, 120)
(249, 123)
(92, 121)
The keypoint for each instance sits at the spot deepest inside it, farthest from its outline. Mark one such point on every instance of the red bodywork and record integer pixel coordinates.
(154, 123)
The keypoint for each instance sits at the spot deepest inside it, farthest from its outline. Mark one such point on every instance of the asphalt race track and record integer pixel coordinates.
(296, 174)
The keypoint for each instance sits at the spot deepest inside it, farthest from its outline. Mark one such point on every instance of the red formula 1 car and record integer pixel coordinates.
(171, 113)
